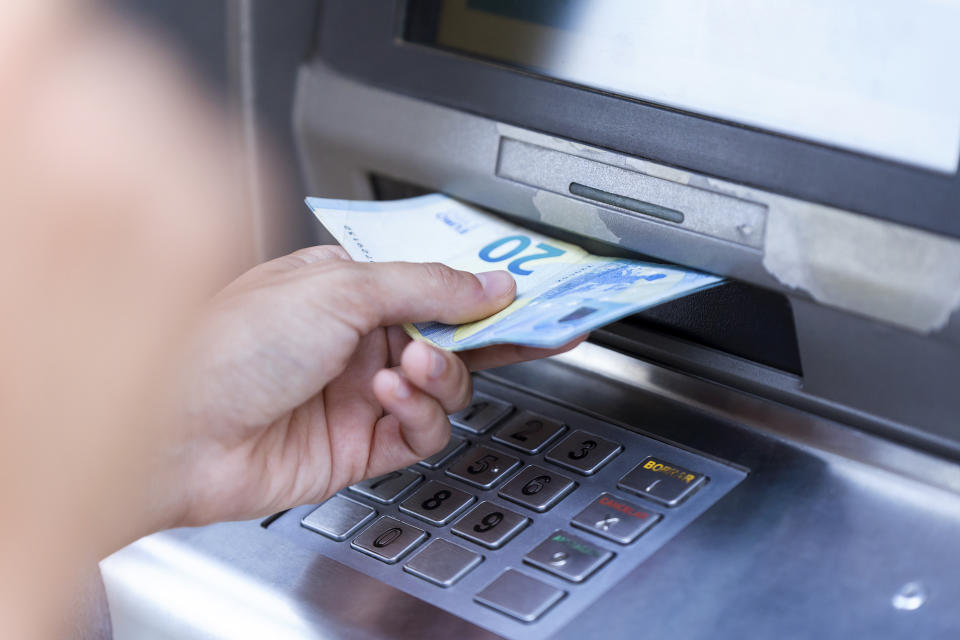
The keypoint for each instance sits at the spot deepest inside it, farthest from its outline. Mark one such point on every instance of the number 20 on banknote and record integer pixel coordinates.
(511, 248)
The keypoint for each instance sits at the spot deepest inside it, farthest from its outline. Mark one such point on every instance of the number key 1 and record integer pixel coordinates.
(490, 525)
(481, 415)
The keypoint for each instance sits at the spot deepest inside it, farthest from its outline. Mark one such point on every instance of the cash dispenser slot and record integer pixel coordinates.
(692, 207)
(736, 318)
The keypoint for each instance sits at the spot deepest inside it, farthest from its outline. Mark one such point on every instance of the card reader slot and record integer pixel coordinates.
(587, 183)
(624, 202)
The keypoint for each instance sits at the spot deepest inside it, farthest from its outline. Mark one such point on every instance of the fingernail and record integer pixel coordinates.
(438, 364)
(400, 389)
(496, 283)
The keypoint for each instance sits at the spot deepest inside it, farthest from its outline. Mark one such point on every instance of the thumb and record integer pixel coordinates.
(389, 293)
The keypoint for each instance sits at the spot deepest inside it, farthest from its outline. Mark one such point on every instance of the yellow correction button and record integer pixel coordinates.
(662, 481)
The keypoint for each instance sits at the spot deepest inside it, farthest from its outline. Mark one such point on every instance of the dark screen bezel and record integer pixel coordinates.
(364, 39)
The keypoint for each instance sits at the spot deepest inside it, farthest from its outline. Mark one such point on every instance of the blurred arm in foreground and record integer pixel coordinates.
(131, 398)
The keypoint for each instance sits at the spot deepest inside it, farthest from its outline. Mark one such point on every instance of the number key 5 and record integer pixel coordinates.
(483, 467)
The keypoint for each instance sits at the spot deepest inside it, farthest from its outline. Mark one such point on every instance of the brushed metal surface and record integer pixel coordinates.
(236, 581)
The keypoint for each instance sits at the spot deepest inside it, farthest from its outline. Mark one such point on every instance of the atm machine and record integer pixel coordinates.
(776, 457)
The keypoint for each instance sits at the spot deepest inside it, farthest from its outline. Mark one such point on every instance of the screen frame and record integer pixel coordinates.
(364, 39)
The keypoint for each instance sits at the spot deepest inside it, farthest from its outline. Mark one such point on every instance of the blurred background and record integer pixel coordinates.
(246, 53)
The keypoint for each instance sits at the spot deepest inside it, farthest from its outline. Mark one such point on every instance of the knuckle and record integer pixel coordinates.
(446, 278)
(315, 254)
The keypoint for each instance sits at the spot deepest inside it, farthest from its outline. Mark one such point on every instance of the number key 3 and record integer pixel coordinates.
(583, 452)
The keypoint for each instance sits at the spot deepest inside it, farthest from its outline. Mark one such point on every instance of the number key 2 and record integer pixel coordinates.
(529, 432)
(583, 452)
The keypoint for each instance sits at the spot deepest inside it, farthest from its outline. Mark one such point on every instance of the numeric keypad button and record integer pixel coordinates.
(529, 432)
(520, 596)
(436, 503)
(615, 519)
(454, 446)
(443, 563)
(482, 414)
(568, 556)
(338, 518)
(662, 481)
(388, 539)
(482, 467)
(388, 488)
(583, 452)
(490, 525)
(537, 488)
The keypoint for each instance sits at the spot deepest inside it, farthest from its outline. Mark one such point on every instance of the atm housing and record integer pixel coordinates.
(828, 386)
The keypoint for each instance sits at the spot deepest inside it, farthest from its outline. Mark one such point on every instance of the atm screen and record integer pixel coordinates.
(873, 78)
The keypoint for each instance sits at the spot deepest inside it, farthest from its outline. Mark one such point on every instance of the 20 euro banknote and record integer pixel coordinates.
(562, 291)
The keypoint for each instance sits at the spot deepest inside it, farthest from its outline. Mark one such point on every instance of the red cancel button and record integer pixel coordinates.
(635, 512)
(615, 519)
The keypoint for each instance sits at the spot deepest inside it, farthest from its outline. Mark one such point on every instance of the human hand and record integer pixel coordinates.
(303, 382)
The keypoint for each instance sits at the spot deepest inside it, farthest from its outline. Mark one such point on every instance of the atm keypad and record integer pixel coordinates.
(537, 488)
(388, 488)
(529, 432)
(583, 452)
(490, 525)
(527, 506)
(482, 467)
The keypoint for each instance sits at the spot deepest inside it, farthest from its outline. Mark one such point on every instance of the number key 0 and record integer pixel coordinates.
(490, 525)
